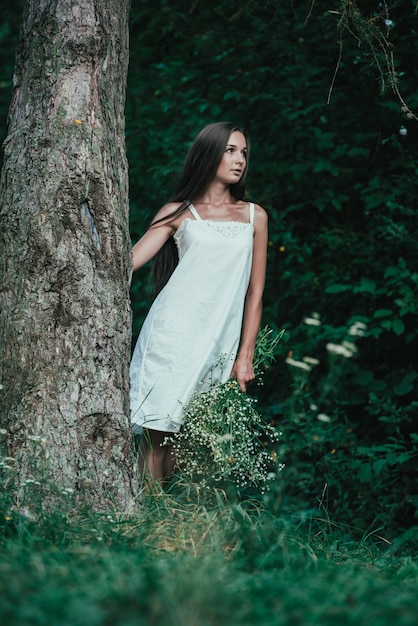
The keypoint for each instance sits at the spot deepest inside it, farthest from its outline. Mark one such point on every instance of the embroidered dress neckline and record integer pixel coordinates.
(228, 228)
(225, 221)
(192, 219)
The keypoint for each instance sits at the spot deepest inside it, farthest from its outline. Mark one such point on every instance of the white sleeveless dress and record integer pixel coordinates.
(190, 337)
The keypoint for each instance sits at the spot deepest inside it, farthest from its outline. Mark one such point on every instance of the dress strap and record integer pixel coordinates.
(251, 213)
(194, 212)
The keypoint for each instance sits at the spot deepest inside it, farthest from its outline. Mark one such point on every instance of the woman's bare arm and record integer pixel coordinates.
(155, 237)
(243, 369)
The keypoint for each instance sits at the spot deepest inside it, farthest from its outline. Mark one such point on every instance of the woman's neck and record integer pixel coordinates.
(216, 195)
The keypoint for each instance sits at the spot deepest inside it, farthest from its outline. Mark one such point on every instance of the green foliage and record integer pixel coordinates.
(179, 560)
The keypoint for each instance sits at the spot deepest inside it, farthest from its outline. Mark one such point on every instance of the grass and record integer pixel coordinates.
(193, 558)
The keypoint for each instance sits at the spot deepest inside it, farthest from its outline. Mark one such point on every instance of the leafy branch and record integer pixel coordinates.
(372, 32)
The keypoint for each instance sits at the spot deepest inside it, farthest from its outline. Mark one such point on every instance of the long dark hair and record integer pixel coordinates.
(198, 172)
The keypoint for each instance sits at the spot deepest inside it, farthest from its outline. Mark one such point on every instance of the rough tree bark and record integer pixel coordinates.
(65, 254)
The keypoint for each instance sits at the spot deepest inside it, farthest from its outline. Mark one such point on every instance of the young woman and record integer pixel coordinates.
(209, 274)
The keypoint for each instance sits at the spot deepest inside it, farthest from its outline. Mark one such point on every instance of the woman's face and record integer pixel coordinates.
(234, 160)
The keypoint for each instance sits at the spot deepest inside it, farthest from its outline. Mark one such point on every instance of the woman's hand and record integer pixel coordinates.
(243, 371)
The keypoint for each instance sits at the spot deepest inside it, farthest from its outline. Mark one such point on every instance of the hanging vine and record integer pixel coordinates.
(372, 32)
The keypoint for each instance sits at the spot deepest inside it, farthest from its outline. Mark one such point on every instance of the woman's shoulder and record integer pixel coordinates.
(260, 219)
(168, 209)
(258, 209)
(168, 212)
(260, 214)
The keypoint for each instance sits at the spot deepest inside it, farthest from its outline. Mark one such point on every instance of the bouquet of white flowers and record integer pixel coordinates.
(224, 438)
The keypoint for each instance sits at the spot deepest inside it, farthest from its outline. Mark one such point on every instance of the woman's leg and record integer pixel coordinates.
(156, 461)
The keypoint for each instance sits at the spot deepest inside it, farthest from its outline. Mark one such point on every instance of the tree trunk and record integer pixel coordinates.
(65, 256)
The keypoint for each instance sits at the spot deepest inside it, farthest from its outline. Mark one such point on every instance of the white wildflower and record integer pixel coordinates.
(300, 364)
(227, 437)
(350, 346)
(322, 417)
(340, 349)
(357, 329)
(31, 481)
(312, 321)
(311, 360)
